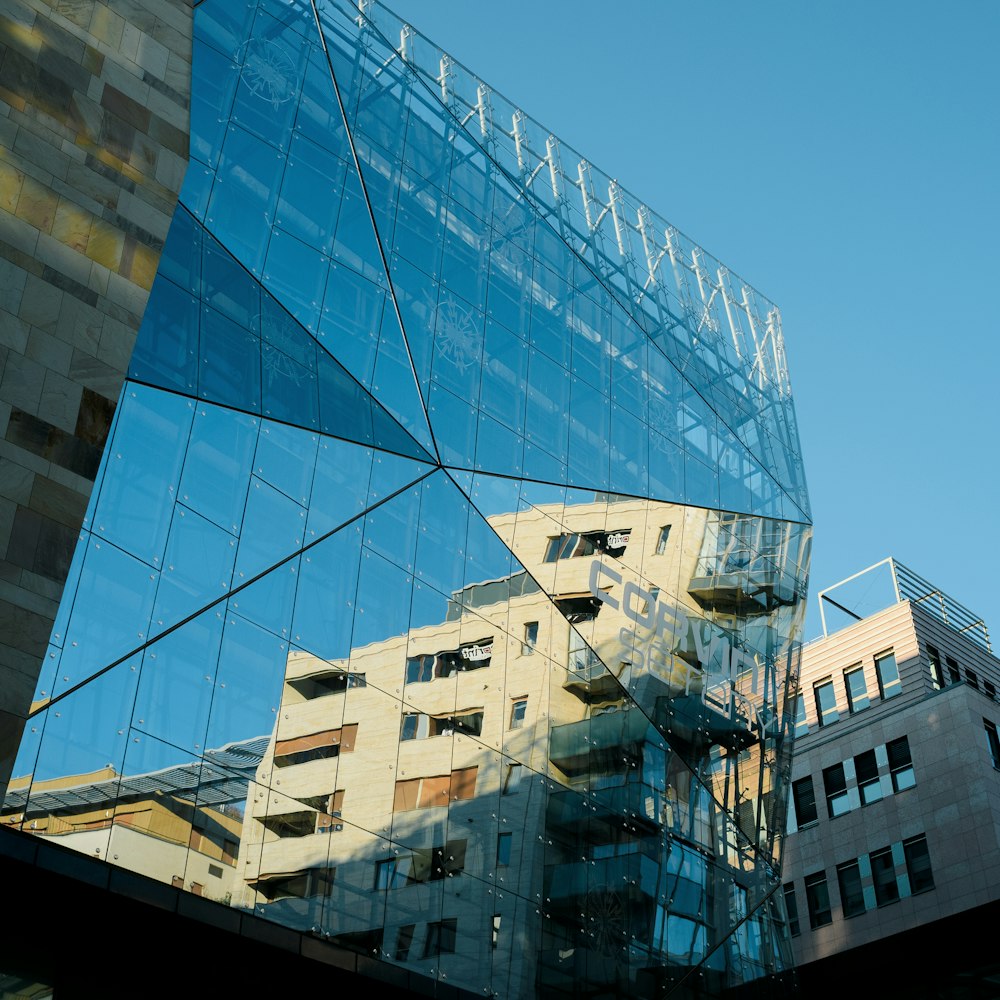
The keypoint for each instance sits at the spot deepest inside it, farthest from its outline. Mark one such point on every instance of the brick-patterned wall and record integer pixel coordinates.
(94, 101)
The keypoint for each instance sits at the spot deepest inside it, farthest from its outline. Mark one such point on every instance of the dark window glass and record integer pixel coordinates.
(884, 876)
(835, 786)
(900, 764)
(918, 864)
(805, 801)
(409, 730)
(530, 638)
(440, 937)
(970, 676)
(866, 770)
(852, 898)
(504, 844)
(954, 676)
(888, 675)
(990, 689)
(857, 689)
(403, 941)
(937, 675)
(993, 742)
(801, 723)
(826, 703)
(661, 541)
(792, 909)
(818, 900)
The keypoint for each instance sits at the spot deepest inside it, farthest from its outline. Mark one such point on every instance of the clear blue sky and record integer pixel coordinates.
(844, 159)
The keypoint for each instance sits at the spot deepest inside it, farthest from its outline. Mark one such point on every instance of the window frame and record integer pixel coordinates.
(796, 785)
(894, 687)
(852, 672)
(818, 900)
(853, 892)
(821, 714)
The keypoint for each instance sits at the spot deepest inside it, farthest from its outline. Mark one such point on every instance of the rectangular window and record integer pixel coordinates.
(990, 689)
(888, 675)
(970, 676)
(530, 638)
(857, 689)
(805, 801)
(411, 721)
(826, 703)
(505, 842)
(420, 669)
(993, 742)
(866, 770)
(900, 764)
(884, 876)
(496, 929)
(440, 938)
(937, 675)
(801, 722)
(835, 786)
(792, 909)
(954, 676)
(852, 897)
(818, 900)
(661, 540)
(403, 941)
(918, 864)
(518, 710)
(513, 780)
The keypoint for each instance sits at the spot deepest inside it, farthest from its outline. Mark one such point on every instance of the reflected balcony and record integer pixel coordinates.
(593, 746)
(756, 588)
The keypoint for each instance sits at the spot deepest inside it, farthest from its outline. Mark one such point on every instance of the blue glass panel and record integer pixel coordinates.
(383, 605)
(325, 601)
(589, 430)
(197, 568)
(228, 288)
(286, 458)
(166, 349)
(391, 528)
(178, 682)
(217, 464)
(133, 507)
(505, 371)
(548, 405)
(456, 433)
(311, 191)
(498, 448)
(229, 363)
(351, 321)
(211, 99)
(273, 528)
(296, 274)
(180, 261)
(458, 346)
(245, 195)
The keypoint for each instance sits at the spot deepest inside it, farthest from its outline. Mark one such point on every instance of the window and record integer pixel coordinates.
(440, 937)
(801, 723)
(970, 676)
(513, 780)
(438, 790)
(900, 764)
(570, 546)
(826, 703)
(993, 742)
(818, 900)
(326, 683)
(417, 726)
(884, 876)
(954, 676)
(296, 885)
(403, 941)
(517, 713)
(990, 689)
(419, 669)
(662, 539)
(504, 843)
(835, 786)
(852, 897)
(792, 909)
(937, 675)
(866, 770)
(805, 801)
(427, 864)
(530, 638)
(496, 929)
(857, 689)
(888, 675)
(918, 864)
(317, 746)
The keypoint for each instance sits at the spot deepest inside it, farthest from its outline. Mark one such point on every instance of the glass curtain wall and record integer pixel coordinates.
(441, 587)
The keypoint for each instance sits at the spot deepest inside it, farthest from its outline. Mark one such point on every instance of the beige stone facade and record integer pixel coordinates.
(94, 105)
(893, 845)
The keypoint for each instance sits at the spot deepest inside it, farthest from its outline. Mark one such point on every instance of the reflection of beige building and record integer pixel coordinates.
(443, 751)
(180, 825)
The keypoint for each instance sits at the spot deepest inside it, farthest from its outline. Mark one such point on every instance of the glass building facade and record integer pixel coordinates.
(441, 586)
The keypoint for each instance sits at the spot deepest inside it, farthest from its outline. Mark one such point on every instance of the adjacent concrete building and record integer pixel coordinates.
(894, 823)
